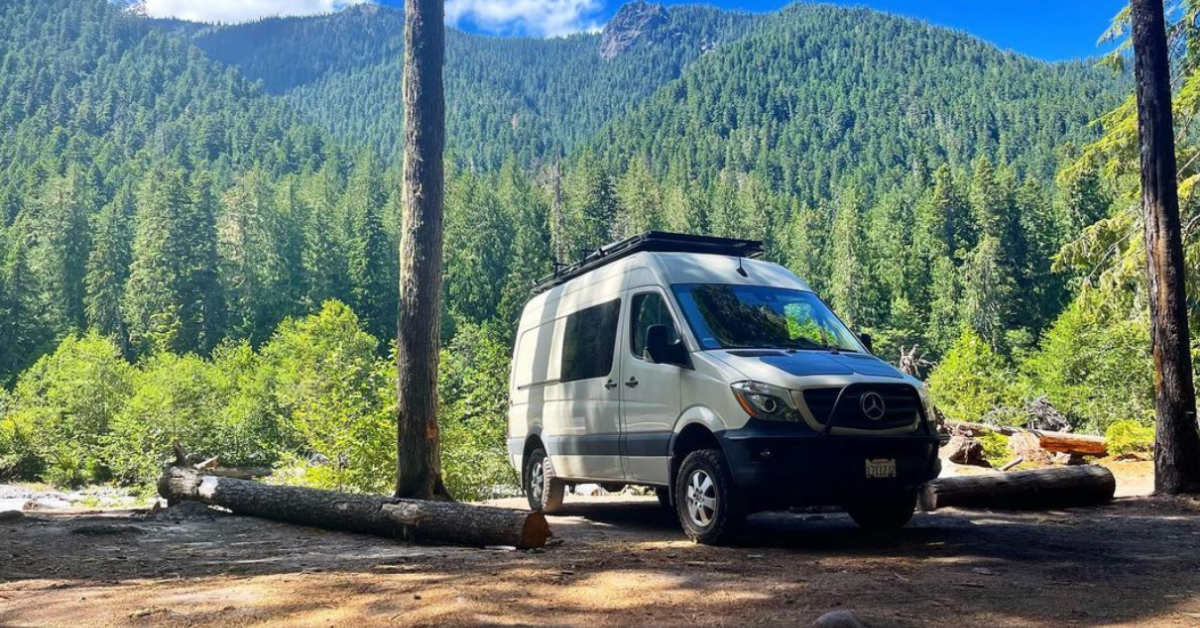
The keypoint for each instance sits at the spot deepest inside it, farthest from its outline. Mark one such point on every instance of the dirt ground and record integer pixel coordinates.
(618, 562)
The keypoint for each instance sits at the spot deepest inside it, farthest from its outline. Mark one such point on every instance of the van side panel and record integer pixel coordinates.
(578, 420)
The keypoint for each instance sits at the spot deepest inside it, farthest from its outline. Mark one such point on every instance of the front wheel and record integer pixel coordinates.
(543, 490)
(710, 508)
(883, 513)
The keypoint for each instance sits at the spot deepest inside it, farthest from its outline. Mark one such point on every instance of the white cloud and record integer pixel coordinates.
(537, 18)
(230, 11)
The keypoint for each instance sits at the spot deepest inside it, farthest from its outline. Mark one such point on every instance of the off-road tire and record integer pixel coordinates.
(549, 498)
(719, 524)
(663, 494)
(883, 513)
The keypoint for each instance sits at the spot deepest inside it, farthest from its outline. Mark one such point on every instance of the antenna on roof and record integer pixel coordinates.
(741, 269)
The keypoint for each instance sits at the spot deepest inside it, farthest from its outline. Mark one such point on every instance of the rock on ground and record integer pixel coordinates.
(839, 619)
(964, 450)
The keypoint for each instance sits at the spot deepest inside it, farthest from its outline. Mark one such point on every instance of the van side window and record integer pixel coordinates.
(588, 342)
(648, 309)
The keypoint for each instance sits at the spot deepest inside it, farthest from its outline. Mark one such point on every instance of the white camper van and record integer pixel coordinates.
(685, 364)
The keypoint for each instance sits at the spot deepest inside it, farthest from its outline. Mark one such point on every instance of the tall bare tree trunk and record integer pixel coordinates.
(1177, 453)
(557, 229)
(420, 470)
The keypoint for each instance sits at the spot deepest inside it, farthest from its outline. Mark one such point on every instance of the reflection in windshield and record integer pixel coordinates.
(729, 316)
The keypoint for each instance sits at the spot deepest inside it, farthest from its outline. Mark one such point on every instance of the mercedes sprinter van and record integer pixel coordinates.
(686, 364)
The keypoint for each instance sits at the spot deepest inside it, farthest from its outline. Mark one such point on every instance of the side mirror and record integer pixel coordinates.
(659, 346)
(868, 342)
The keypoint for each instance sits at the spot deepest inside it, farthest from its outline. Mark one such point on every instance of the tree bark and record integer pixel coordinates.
(1177, 452)
(412, 520)
(419, 474)
(1023, 490)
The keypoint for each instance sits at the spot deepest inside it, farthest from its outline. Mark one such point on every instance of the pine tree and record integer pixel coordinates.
(108, 267)
(591, 208)
(23, 324)
(61, 243)
(1083, 199)
(172, 300)
(371, 263)
(479, 238)
(807, 235)
(252, 276)
(849, 279)
(323, 256)
(528, 209)
(945, 320)
(988, 292)
(640, 202)
(204, 314)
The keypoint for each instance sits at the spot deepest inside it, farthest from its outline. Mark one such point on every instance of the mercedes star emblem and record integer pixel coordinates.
(872, 406)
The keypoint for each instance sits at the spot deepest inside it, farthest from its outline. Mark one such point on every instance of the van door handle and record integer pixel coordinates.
(610, 384)
(632, 383)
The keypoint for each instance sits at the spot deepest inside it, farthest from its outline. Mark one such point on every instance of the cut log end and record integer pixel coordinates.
(535, 532)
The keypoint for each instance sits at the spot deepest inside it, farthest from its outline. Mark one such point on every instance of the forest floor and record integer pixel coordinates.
(617, 562)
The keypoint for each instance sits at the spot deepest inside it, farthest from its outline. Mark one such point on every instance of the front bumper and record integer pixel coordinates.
(783, 464)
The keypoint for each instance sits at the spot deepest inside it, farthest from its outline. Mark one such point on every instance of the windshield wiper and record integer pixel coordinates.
(791, 346)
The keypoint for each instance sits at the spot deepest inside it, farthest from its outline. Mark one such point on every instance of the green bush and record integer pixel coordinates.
(1129, 437)
(246, 430)
(995, 449)
(971, 380)
(1095, 366)
(474, 414)
(18, 457)
(334, 399)
(316, 402)
(63, 408)
(176, 398)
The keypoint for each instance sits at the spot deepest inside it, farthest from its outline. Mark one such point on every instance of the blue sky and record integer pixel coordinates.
(1047, 29)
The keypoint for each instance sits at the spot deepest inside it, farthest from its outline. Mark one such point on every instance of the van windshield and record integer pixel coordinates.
(726, 316)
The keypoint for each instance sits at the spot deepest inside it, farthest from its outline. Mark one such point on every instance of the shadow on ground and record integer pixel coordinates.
(619, 563)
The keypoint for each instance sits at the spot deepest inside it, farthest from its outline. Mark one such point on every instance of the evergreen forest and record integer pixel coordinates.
(199, 223)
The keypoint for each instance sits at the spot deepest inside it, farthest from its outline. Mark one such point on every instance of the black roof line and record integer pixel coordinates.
(652, 242)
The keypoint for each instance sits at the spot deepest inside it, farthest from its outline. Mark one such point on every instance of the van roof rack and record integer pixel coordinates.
(651, 241)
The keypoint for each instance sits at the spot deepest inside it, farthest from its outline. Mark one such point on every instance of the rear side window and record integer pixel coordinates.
(588, 342)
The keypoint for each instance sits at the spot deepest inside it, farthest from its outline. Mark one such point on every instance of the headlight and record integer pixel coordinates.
(765, 401)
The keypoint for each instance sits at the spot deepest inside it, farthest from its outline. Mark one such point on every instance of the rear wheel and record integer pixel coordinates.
(709, 506)
(882, 513)
(543, 490)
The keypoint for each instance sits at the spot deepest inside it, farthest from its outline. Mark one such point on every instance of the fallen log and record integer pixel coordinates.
(964, 426)
(1023, 490)
(410, 520)
(1066, 443)
(1057, 442)
(212, 466)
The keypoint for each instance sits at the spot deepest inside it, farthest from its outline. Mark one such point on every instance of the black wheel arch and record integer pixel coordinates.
(532, 442)
(693, 437)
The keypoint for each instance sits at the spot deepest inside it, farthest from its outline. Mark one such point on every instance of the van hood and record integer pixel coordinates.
(779, 367)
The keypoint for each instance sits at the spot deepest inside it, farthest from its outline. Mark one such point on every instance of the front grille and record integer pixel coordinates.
(844, 407)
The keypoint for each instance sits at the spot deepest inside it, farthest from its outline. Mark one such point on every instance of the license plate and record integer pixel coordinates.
(881, 468)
